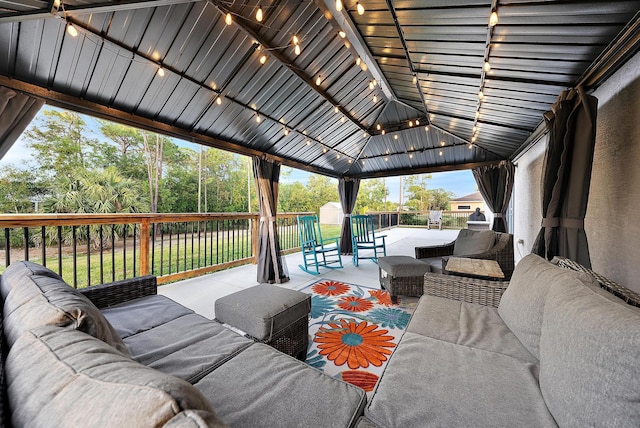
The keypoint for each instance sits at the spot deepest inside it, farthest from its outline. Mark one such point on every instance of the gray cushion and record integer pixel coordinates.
(522, 304)
(143, 314)
(467, 324)
(403, 266)
(35, 296)
(266, 388)
(435, 263)
(188, 347)
(263, 309)
(62, 377)
(193, 419)
(431, 383)
(590, 358)
(471, 242)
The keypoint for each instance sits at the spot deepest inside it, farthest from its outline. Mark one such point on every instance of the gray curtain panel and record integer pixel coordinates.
(271, 266)
(16, 113)
(566, 176)
(495, 183)
(348, 191)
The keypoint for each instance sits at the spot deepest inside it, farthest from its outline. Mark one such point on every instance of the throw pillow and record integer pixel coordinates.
(62, 377)
(471, 242)
(590, 358)
(522, 304)
(35, 296)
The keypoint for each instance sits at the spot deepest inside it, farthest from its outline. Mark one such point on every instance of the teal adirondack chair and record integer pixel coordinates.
(363, 237)
(317, 252)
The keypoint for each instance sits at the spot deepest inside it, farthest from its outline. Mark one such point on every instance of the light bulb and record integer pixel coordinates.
(382, 132)
(358, 61)
(258, 118)
(342, 119)
(338, 5)
(386, 159)
(362, 162)
(342, 34)
(360, 8)
(228, 19)
(308, 142)
(259, 14)
(263, 59)
(411, 124)
(473, 139)
(371, 85)
(426, 128)
(395, 137)
(364, 135)
(375, 98)
(477, 114)
(336, 109)
(493, 19)
(475, 129)
(72, 30)
(440, 153)
(318, 80)
(410, 155)
(161, 72)
(219, 100)
(350, 161)
(296, 40)
(324, 150)
(297, 50)
(378, 127)
(417, 122)
(337, 156)
(480, 95)
(487, 66)
(286, 132)
(470, 146)
(415, 79)
(442, 143)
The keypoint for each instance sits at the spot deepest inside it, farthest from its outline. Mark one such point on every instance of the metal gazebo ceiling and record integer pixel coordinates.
(395, 90)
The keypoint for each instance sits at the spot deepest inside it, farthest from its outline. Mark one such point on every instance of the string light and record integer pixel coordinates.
(324, 150)
(395, 137)
(375, 98)
(470, 146)
(336, 109)
(415, 79)
(426, 128)
(72, 30)
(411, 124)
(259, 14)
(308, 142)
(258, 118)
(286, 132)
(378, 127)
(342, 119)
(363, 162)
(295, 40)
(480, 95)
(358, 61)
(160, 70)
(442, 143)
(297, 50)
(228, 19)
(350, 161)
(487, 66)
(342, 35)
(383, 132)
(219, 100)
(263, 59)
(386, 159)
(493, 19)
(371, 85)
(360, 8)
(338, 5)
(337, 156)
(318, 80)
(417, 122)
(477, 114)
(410, 155)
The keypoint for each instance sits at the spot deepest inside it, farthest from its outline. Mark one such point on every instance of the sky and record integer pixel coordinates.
(459, 182)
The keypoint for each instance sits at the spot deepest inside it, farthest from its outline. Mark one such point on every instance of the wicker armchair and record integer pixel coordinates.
(105, 295)
(502, 252)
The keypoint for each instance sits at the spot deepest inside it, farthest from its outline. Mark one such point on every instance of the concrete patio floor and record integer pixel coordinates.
(200, 293)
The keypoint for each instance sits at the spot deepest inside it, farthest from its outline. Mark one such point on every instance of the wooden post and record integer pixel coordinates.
(144, 246)
(254, 239)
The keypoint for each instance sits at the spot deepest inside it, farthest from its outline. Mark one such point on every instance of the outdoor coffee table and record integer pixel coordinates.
(474, 268)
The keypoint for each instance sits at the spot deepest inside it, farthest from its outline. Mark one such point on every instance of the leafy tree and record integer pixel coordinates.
(371, 196)
(420, 198)
(295, 197)
(61, 145)
(322, 189)
(19, 189)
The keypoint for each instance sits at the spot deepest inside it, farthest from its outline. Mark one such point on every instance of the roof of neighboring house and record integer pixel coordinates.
(471, 197)
(333, 204)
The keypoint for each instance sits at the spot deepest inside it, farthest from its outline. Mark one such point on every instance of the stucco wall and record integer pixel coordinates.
(613, 214)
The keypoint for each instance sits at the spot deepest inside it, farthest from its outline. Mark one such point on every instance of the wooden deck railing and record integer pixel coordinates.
(88, 249)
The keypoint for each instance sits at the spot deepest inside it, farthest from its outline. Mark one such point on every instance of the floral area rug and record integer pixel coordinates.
(353, 330)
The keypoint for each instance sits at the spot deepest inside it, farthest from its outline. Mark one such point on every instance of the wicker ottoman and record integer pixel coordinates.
(269, 314)
(402, 275)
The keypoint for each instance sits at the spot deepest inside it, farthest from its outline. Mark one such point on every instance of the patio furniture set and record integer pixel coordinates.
(475, 353)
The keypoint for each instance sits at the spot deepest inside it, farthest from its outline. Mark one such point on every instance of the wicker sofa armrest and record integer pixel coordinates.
(470, 290)
(105, 295)
(629, 296)
(435, 251)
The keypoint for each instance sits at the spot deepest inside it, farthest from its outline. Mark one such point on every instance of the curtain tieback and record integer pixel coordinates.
(569, 223)
(268, 218)
(347, 215)
(498, 215)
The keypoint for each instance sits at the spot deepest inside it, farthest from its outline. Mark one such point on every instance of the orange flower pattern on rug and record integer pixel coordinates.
(383, 297)
(330, 288)
(354, 304)
(353, 343)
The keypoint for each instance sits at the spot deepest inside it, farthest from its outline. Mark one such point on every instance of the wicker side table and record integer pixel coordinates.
(471, 290)
(269, 314)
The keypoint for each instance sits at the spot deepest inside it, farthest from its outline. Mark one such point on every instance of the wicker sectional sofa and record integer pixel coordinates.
(120, 355)
(558, 345)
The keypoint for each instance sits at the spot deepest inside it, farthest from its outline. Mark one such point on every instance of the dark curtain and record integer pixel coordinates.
(348, 191)
(495, 183)
(16, 113)
(271, 267)
(566, 177)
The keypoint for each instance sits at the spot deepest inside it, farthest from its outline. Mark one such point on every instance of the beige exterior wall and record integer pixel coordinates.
(472, 204)
(612, 222)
